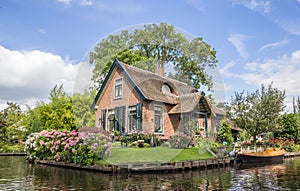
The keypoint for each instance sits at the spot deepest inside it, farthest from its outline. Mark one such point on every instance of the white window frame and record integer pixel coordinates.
(115, 88)
(162, 119)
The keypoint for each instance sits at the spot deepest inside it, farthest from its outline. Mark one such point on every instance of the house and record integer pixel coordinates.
(132, 99)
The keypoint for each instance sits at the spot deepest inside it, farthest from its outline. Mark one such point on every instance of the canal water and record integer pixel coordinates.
(17, 174)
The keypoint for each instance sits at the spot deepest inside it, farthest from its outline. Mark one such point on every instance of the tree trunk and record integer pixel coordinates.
(254, 139)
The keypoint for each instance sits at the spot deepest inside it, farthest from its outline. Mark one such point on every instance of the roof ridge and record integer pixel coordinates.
(153, 73)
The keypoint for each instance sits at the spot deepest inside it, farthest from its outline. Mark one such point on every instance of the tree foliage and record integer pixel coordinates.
(57, 114)
(224, 132)
(155, 45)
(11, 127)
(257, 112)
(84, 116)
(289, 127)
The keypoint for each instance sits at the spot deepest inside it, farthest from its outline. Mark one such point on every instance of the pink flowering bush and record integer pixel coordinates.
(61, 146)
(99, 143)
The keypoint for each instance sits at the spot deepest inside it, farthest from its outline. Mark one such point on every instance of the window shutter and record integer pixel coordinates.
(122, 118)
(103, 118)
(117, 119)
(139, 116)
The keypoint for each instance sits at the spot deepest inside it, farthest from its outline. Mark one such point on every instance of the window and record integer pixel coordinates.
(166, 89)
(118, 88)
(158, 119)
(132, 118)
(135, 117)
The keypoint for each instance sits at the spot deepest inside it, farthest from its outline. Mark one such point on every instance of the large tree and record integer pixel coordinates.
(57, 114)
(156, 45)
(257, 112)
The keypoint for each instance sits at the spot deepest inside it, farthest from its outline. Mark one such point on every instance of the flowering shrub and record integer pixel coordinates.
(179, 140)
(99, 143)
(286, 144)
(60, 146)
(132, 137)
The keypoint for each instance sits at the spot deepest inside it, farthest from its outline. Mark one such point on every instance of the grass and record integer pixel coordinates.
(158, 154)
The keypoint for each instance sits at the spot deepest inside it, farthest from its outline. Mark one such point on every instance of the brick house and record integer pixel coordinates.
(132, 99)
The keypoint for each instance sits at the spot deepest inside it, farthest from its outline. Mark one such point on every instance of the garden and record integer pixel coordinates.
(96, 148)
(92, 147)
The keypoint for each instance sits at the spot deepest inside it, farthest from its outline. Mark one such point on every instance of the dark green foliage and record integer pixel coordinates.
(155, 45)
(224, 133)
(289, 127)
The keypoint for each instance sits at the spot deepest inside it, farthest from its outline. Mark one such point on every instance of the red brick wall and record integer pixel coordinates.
(107, 101)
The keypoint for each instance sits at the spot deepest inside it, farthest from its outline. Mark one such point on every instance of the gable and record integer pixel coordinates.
(117, 71)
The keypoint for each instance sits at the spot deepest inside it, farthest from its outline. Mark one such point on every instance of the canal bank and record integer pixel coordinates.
(156, 166)
(147, 167)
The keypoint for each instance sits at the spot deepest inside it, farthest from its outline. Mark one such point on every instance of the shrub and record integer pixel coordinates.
(224, 133)
(206, 143)
(179, 140)
(61, 146)
(100, 144)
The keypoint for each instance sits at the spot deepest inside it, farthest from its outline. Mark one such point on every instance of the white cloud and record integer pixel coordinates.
(284, 72)
(290, 25)
(274, 44)
(28, 76)
(238, 41)
(86, 3)
(255, 5)
(65, 2)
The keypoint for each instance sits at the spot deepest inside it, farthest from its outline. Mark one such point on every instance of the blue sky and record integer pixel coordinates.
(43, 42)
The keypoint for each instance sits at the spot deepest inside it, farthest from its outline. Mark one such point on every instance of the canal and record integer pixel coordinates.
(17, 174)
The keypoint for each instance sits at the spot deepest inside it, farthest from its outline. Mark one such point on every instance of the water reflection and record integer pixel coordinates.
(16, 174)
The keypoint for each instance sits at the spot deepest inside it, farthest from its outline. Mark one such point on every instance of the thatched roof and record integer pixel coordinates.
(191, 102)
(218, 111)
(149, 86)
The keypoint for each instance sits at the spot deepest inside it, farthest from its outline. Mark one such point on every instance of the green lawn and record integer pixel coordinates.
(158, 154)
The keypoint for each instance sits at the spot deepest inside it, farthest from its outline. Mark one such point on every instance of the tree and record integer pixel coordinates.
(57, 114)
(12, 129)
(224, 132)
(296, 105)
(257, 112)
(84, 116)
(155, 45)
(289, 127)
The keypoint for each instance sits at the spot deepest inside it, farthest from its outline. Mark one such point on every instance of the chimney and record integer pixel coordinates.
(159, 69)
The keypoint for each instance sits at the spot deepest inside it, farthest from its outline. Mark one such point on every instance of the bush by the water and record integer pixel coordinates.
(64, 146)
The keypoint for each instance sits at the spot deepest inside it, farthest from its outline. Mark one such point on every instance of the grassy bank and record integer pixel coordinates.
(158, 154)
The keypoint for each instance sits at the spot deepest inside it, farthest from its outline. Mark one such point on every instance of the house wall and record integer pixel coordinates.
(171, 122)
(107, 101)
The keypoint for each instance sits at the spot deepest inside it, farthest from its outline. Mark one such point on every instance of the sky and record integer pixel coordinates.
(44, 43)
